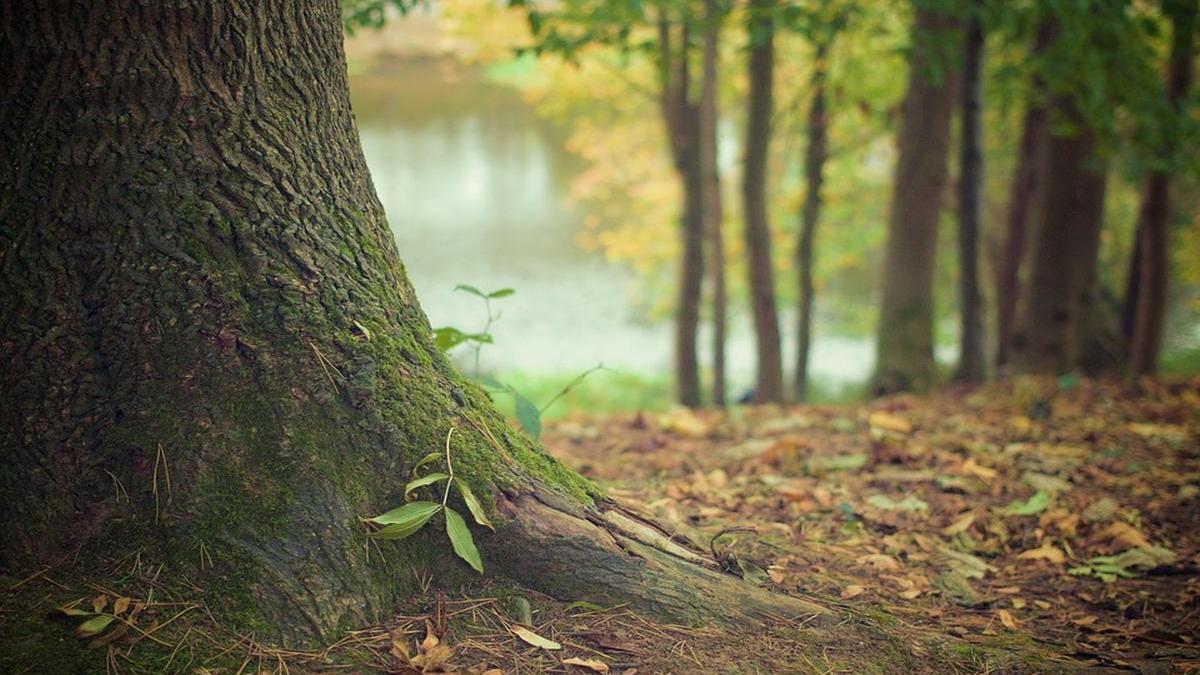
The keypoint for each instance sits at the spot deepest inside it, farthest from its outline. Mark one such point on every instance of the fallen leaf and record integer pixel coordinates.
(879, 561)
(960, 525)
(591, 664)
(120, 605)
(978, 470)
(853, 590)
(889, 422)
(1126, 534)
(99, 603)
(1046, 551)
(533, 638)
(1007, 619)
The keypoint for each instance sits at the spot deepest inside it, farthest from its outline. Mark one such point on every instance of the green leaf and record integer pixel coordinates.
(502, 293)
(461, 539)
(473, 504)
(433, 456)
(423, 481)
(75, 611)
(470, 289)
(404, 521)
(1035, 505)
(94, 626)
(447, 338)
(528, 415)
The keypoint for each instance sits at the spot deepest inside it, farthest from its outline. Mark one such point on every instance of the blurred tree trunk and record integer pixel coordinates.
(761, 30)
(1022, 207)
(713, 210)
(971, 365)
(681, 116)
(905, 337)
(215, 359)
(814, 174)
(1061, 316)
(1154, 217)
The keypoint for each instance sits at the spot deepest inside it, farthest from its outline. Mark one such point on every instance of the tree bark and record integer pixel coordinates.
(905, 338)
(713, 209)
(769, 386)
(814, 174)
(971, 364)
(681, 116)
(1060, 308)
(1022, 205)
(213, 355)
(1154, 216)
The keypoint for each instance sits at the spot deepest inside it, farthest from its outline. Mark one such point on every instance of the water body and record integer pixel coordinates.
(474, 185)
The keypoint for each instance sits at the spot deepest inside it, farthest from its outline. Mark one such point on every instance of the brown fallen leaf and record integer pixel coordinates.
(853, 590)
(534, 639)
(880, 561)
(591, 664)
(1126, 534)
(1046, 551)
(1007, 619)
(889, 422)
(959, 525)
(120, 605)
(979, 471)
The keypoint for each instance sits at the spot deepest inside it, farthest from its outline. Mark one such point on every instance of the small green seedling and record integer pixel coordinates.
(405, 521)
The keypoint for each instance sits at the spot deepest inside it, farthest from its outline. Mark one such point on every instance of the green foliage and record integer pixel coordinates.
(373, 13)
(1126, 565)
(405, 521)
(1030, 507)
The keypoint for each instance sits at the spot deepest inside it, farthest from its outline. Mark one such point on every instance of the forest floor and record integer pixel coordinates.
(1059, 518)
(1033, 525)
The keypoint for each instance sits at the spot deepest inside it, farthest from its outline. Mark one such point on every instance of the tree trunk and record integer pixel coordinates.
(1060, 306)
(769, 387)
(713, 210)
(1022, 206)
(213, 355)
(1153, 219)
(681, 116)
(905, 340)
(814, 174)
(971, 365)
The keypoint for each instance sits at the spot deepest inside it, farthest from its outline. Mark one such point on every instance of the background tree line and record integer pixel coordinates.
(1012, 128)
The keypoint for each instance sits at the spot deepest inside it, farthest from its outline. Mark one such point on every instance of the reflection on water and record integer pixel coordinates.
(473, 184)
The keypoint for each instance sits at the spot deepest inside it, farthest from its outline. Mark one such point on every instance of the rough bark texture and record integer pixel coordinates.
(971, 364)
(1022, 207)
(713, 209)
(211, 344)
(681, 116)
(1152, 259)
(906, 320)
(1060, 310)
(815, 155)
(769, 385)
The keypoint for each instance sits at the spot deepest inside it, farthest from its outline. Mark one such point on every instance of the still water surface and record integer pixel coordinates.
(474, 185)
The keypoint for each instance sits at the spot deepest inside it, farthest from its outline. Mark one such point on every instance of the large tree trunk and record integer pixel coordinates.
(905, 338)
(713, 210)
(971, 365)
(1022, 205)
(1153, 263)
(213, 356)
(769, 386)
(681, 116)
(814, 174)
(1060, 310)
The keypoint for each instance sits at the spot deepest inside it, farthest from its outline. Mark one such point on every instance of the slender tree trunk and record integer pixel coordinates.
(769, 387)
(814, 174)
(1154, 217)
(682, 121)
(971, 364)
(1022, 206)
(1060, 312)
(213, 357)
(905, 339)
(713, 210)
